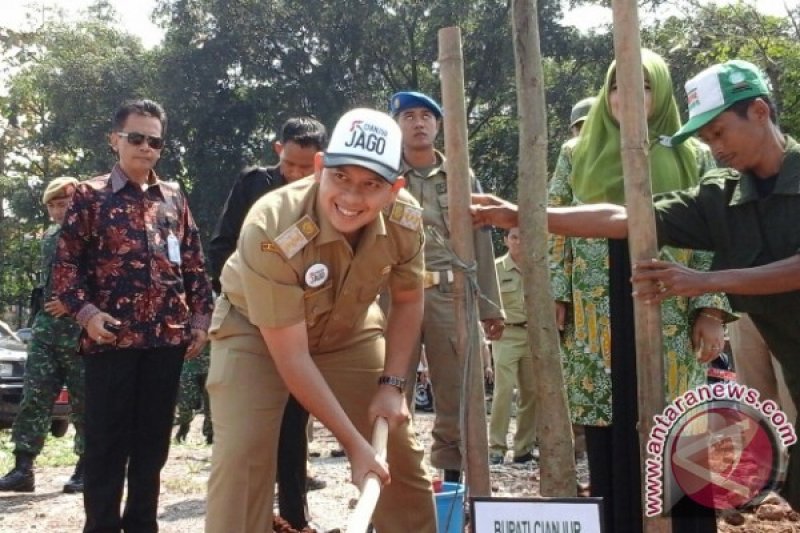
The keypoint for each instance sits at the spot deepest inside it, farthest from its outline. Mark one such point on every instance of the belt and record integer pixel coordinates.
(517, 324)
(432, 279)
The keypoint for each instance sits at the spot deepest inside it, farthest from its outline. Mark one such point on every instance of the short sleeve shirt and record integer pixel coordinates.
(325, 283)
(511, 290)
(429, 188)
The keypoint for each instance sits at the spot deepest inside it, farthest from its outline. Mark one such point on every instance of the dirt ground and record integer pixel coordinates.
(182, 502)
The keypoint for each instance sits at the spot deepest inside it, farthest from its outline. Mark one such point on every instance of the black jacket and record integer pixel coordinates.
(252, 184)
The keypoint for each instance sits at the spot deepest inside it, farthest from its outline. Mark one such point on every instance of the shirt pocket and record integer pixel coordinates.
(318, 303)
(509, 285)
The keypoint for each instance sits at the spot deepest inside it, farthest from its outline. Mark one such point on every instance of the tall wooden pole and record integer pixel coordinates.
(474, 442)
(641, 226)
(554, 432)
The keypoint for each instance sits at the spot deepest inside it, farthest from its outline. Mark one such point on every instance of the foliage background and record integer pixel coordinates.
(229, 72)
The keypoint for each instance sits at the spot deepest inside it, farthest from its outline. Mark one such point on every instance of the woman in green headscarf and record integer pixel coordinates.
(597, 165)
(590, 171)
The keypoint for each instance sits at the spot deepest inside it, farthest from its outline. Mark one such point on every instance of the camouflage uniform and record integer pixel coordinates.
(52, 362)
(192, 392)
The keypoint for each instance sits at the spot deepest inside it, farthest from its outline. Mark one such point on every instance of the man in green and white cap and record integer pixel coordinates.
(748, 214)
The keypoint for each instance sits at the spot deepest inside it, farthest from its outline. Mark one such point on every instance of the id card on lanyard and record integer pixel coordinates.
(173, 249)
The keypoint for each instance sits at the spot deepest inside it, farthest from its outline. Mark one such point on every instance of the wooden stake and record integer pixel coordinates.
(641, 226)
(554, 431)
(474, 442)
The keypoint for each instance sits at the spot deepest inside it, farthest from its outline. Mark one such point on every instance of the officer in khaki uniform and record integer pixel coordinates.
(299, 315)
(425, 171)
(513, 363)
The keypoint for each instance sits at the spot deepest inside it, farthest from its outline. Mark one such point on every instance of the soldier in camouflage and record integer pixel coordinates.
(191, 394)
(52, 363)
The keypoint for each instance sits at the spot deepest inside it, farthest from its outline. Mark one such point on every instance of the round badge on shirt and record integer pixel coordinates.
(316, 275)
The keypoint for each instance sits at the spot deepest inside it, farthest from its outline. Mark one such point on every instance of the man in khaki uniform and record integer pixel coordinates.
(513, 363)
(299, 315)
(425, 171)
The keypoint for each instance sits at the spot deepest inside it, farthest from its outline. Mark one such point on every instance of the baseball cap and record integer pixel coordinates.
(369, 139)
(407, 99)
(581, 110)
(55, 189)
(716, 89)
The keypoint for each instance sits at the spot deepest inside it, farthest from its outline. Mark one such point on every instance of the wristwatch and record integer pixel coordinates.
(394, 381)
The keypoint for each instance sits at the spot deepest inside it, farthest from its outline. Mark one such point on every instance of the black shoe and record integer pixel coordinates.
(21, 478)
(75, 483)
(315, 483)
(452, 476)
(524, 458)
(339, 452)
(183, 430)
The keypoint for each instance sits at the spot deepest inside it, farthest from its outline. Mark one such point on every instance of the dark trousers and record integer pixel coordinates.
(613, 451)
(130, 405)
(292, 456)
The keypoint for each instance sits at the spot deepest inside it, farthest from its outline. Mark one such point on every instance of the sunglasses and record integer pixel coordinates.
(136, 139)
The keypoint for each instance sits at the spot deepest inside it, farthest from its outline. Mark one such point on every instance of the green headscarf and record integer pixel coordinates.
(597, 163)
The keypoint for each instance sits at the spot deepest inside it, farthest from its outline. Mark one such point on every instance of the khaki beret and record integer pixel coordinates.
(55, 189)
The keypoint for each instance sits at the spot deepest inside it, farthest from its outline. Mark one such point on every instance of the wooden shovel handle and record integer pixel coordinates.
(371, 486)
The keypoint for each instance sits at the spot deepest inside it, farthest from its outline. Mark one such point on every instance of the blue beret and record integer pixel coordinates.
(407, 99)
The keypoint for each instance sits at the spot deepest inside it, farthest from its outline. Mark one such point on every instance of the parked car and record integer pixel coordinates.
(25, 334)
(13, 355)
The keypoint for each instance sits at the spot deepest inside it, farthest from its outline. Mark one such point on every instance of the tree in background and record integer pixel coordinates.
(229, 73)
(66, 80)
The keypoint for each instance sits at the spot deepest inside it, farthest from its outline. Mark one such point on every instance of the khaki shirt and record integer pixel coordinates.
(430, 190)
(274, 288)
(511, 290)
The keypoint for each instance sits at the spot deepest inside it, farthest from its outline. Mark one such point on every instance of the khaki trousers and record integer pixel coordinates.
(439, 337)
(756, 367)
(513, 366)
(247, 402)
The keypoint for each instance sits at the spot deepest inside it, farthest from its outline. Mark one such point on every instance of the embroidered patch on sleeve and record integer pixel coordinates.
(407, 215)
(296, 237)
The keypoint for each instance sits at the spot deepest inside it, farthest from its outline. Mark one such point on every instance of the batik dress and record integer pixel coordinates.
(579, 276)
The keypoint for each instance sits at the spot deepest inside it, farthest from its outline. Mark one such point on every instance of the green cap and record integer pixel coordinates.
(716, 89)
